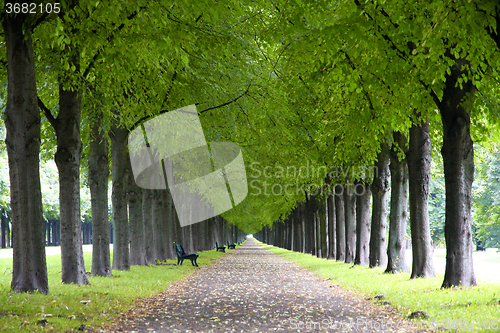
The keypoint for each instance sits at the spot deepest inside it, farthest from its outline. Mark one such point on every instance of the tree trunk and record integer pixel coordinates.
(168, 250)
(136, 226)
(396, 249)
(22, 121)
(419, 170)
(350, 223)
(120, 175)
(458, 158)
(147, 219)
(322, 216)
(340, 222)
(98, 180)
(68, 157)
(380, 193)
(158, 225)
(331, 220)
(363, 224)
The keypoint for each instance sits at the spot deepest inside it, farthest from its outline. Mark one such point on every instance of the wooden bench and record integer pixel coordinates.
(181, 255)
(231, 245)
(221, 248)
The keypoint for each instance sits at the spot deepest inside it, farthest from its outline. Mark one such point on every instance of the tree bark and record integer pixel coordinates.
(120, 175)
(68, 158)
(136, 226)
(458, 158)
(363, 224)
(331, 221)
(380, 193)
(419, 170)
(340, 222)
(350, 223)
(147, 219)
(98, 180)
(158, 226)
(167, 218)
(22, 121)
(396, 249)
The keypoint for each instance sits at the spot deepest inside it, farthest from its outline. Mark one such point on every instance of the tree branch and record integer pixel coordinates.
(108, 40)
(48, 114)
(227, 103)
(39, 21)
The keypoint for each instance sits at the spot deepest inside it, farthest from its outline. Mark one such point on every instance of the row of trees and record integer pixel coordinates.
(296, 82)
(70, 76)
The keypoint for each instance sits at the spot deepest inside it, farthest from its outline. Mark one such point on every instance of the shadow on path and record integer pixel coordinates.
(254, 290)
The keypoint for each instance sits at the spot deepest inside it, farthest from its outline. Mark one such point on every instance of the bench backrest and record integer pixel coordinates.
(179, 250)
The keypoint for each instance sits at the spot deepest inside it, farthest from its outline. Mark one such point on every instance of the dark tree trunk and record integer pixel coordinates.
(363, 199)
(396, 249)
(98, 180)
(458, 158)
(136, 226)
(68, 156)
(380, 193)
(158, 226)
(332, 237)
(340, 222)
(419, 170)
(322, 239)
(120, 174)
(350, 224)
(4, 227)
(168, 251)
(22, 121)
(147, 219)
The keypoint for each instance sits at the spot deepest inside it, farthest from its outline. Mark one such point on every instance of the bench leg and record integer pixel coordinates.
(194, 263)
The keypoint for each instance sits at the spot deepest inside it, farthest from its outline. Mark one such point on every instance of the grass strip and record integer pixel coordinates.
(474, 309)
(70, 307)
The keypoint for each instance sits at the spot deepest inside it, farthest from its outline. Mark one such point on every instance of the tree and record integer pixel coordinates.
(340, 220)
(350, 223)
(380, 192)
(22, 120)
(363, 224)
(120, 175)
(98, 164)
(396, 247)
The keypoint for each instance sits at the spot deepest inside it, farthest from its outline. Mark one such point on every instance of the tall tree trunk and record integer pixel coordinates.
(331, 221)
(147, 219)
(380, 193)
(340, 222)
(22, 121)
(363, 224)
(458, 158)
(136, 226)
(4, 227)
(323, 231)
(168, 250)
(68, 158)
(158, 225)
(120, 175)
(419, 170)
(396, 249)
(98, 180)
(350, 224)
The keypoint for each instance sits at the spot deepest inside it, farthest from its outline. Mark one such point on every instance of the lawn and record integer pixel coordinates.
(70, 307)
(468, 309)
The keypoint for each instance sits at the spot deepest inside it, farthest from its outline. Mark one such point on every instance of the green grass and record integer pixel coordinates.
(109, 296)
(470, 308)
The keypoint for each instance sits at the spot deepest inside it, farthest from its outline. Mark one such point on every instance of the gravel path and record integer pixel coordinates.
(254, 290)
